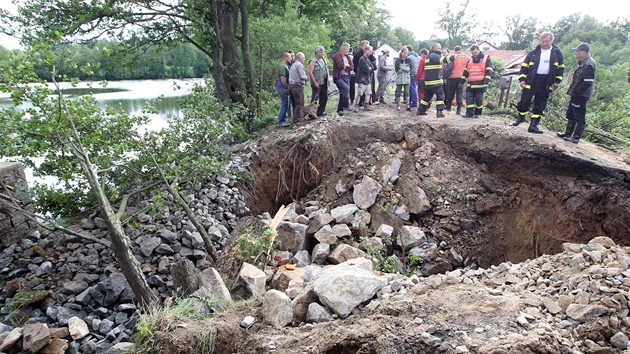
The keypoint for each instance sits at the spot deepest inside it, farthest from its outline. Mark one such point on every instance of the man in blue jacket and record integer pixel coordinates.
(541, 73)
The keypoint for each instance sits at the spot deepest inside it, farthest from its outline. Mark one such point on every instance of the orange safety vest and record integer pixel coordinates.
(477, 71)
(458, 66)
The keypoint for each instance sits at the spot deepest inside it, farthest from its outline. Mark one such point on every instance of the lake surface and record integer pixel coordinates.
(132, 95)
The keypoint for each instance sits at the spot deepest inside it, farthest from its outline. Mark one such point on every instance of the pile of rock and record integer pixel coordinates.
(81, 279)
(572, 302)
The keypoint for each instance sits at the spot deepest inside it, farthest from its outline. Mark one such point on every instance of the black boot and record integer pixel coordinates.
(520, 119)
(422, 110)
(579, 129)
(459, 109)
(533, 126)
(568, 131)
(439, 114)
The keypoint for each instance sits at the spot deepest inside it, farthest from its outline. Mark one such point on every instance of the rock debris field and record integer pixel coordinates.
(403, 235)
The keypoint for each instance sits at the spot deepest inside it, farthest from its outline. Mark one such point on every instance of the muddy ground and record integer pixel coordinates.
(526, 195)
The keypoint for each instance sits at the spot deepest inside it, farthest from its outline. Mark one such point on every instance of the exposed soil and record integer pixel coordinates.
(526, 194)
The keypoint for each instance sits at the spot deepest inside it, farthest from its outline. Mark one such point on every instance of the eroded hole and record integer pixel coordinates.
(492, 196)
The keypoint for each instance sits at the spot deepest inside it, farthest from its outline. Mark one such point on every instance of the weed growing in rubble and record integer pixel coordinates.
(25, 298)
(299, 137)
(378, 255)
(251, 246)
(390, 205)
(205, 345)
(415, 263)
(21, 308)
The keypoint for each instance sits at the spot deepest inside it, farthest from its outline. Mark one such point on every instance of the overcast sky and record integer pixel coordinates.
(420, 16)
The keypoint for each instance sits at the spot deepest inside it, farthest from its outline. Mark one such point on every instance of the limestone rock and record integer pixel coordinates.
(35, 337)
(342, 288)
(250, 282)
(276, 309)
(365, 193)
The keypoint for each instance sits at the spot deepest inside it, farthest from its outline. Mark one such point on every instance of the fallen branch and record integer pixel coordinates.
(7, 201)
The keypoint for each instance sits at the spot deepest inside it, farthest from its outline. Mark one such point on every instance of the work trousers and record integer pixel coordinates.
(539, 91)
(322, 94)
(429, 91)
(297, 93)
(474, 101)
(577, 109)
(456, 91)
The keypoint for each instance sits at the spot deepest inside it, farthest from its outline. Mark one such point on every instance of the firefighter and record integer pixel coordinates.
(433, 80)
(541, 73)
(477, 73)
(454, 89)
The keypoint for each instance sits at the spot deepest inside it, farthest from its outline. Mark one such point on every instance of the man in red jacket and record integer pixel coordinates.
(420, 74)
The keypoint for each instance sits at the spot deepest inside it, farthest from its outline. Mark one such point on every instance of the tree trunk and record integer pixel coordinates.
(247, 58)
(120, 243)
(227, 64)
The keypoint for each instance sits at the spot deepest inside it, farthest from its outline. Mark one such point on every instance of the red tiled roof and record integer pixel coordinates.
(510, 57)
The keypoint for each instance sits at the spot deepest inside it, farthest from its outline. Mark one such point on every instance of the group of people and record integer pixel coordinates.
(435, 73)
(292, 76)
(542, 72)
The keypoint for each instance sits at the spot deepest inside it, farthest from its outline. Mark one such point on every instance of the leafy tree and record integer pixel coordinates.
(564, 25)
(271, 40)
(363, 20)
(405, 36)
(521, 33)
(621, 29)
(79, 139)
(218, 28)
(455, 23)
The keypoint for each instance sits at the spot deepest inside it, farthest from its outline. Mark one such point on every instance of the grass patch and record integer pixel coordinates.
(159, 320)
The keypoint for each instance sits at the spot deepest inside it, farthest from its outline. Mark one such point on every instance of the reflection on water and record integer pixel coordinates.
(131, 96)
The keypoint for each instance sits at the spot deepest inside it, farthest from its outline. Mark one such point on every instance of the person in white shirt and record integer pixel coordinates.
(541, 72)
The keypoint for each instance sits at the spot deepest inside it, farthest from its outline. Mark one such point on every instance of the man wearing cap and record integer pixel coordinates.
(580, 91)
(381, 76)
(541, 73)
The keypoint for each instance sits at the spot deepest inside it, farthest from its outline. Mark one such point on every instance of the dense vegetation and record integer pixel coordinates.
(108, 60)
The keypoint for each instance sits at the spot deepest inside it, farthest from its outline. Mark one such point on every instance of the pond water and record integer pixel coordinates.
(132, 95)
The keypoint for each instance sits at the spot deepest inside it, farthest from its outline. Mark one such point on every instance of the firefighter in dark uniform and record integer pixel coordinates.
(541, 73)
(434, 85)
(580, 90)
